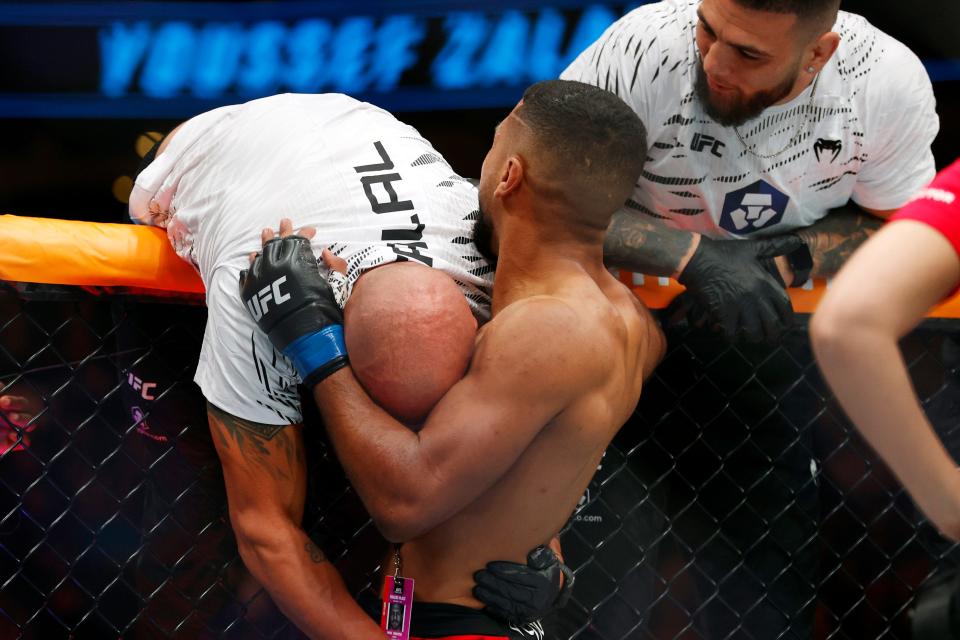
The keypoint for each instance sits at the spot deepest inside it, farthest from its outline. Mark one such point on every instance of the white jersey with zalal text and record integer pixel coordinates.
(373, 187)
(863, 134)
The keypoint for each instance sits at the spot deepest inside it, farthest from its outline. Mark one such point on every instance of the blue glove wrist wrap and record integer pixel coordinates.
(317, 350)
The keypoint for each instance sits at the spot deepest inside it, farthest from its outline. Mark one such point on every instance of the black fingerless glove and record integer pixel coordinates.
(294, 305)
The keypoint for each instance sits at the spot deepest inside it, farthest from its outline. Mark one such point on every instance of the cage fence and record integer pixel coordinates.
(737, 502)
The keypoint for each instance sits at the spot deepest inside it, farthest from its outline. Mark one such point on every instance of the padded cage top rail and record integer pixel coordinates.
(135, 259)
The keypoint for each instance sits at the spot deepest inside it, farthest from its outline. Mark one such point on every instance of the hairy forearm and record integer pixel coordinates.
(644, 246)
(863, 365)
(833, 239)
(305, 585)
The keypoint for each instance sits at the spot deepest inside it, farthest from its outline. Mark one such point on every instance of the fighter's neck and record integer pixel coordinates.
(538, 261)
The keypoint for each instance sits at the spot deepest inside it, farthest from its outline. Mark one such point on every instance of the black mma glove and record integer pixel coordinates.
(936, 609)
(523, 593)
(731, 287)
(294, 305)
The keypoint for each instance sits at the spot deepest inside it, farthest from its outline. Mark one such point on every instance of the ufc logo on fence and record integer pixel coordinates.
(144, 388)
(259, 304)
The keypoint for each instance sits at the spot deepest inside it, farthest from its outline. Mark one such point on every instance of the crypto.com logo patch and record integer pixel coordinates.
(754, 207)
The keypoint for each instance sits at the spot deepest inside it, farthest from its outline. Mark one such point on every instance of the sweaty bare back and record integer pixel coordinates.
(528, 505)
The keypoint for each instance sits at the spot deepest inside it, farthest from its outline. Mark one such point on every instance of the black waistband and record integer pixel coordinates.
(438, 619)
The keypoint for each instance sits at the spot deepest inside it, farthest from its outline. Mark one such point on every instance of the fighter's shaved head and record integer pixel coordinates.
(410, 334)
(587, 145)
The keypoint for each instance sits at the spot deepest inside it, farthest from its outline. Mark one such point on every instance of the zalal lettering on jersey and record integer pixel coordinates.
(752, 208)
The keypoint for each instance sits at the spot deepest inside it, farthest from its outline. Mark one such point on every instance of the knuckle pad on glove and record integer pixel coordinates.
(541, 558)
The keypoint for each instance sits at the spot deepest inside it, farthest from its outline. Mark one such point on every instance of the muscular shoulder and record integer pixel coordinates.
(536, 319)
(549, 337)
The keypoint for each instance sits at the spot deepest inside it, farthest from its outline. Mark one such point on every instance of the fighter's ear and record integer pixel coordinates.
(822, 50)
(511, 178)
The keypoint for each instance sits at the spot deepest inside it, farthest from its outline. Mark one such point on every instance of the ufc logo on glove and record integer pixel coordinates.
(257, 305)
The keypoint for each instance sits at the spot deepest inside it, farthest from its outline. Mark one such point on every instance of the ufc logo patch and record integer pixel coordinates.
(145, 388)
(260, 303)
(701, 141)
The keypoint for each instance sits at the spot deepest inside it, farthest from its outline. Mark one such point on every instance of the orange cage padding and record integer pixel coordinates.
(658, 292)
(68, 252)
(91, 253)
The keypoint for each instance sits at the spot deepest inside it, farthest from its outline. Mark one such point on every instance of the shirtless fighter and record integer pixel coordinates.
(386, 201)
(501, 461)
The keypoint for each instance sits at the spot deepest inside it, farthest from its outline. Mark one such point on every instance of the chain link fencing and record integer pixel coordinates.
(736, 503)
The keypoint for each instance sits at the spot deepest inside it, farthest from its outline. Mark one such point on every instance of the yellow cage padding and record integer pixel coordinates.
(50, 251)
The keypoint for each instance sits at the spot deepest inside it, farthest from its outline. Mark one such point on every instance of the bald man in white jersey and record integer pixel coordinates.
(378, 194)
(781, 133)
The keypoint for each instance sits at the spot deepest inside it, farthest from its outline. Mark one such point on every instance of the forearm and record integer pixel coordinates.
(381, 457)
(644, 246)
(833, 239)
(305, 585)
(866, 371)
(264, 470)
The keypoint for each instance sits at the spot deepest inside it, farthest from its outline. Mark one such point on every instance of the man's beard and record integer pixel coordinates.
(483, 239)
(741, 109)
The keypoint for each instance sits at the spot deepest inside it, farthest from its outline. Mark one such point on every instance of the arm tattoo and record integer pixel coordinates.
(834, 238)
(644, 246)
(250, 437)
(316, 554)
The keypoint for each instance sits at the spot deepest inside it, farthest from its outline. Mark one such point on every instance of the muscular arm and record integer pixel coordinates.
(833, 239)
(645, 246)
(265, 474)
(876, 299)
(524, 372)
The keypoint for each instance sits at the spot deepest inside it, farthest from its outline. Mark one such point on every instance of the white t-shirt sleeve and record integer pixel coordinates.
(627, 60)
(239, 370)
(901, 124)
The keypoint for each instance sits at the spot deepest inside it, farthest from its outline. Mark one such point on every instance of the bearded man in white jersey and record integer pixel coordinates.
(781, 134)
(387, 204)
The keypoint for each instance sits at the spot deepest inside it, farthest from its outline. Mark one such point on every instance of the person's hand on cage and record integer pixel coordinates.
(19, 412)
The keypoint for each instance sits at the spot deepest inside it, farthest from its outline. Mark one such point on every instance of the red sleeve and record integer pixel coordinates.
(938, 205)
